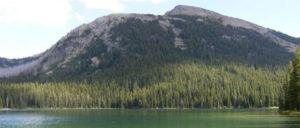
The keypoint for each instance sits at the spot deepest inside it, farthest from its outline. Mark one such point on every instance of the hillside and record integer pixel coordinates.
(189, 57)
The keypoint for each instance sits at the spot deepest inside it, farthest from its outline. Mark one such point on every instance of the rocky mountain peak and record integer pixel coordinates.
(190, 10)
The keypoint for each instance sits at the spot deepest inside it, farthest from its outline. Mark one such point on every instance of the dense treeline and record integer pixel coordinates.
(291, 89)
(186, 85)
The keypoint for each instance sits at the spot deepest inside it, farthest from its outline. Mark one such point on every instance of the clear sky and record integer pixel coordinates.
(29, 27)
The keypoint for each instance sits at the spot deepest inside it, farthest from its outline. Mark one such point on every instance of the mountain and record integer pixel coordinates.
(188, 10)
(185, 31)
(14, 62)
(189, 57)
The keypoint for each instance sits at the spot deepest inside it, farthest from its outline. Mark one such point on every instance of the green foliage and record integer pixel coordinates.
(284, 97)
(291, 88)
(184, 85)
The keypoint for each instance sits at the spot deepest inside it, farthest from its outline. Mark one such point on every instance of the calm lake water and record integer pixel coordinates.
(179, 118)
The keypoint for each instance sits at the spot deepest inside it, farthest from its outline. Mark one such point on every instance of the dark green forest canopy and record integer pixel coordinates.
(290, 94)
(190, 85)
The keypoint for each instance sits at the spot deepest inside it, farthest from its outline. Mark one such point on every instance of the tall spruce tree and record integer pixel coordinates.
(285, 97)
(295, 83)
(291, 87)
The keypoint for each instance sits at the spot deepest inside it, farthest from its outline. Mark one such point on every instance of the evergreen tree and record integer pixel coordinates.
(285, 97)
(295, 83)
(191, 85)
(291, 87)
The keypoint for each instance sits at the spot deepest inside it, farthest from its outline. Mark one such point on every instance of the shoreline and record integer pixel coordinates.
(290, 113)
(33, 109)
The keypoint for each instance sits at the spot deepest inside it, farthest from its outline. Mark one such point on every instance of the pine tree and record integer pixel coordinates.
(285, 98)
(292, 86)
(295, 83)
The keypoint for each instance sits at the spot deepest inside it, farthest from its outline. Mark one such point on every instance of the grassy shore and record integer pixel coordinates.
(289, 112)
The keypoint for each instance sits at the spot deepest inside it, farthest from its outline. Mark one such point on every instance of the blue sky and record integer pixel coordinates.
(29, 27)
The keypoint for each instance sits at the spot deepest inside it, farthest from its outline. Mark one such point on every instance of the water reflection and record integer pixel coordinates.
(26, 120)
(178, 118)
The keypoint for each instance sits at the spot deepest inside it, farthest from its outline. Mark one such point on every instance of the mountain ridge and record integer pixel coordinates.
(190, 10)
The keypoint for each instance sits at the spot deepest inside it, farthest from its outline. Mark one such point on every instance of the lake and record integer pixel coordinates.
(147, 118)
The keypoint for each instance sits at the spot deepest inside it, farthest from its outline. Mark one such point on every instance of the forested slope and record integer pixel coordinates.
(188, 85)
